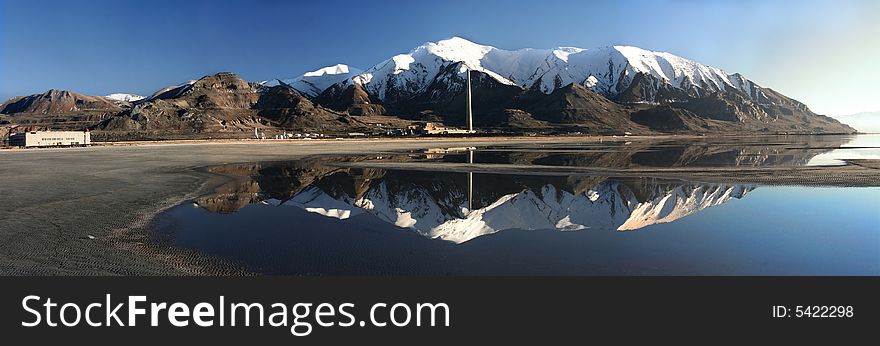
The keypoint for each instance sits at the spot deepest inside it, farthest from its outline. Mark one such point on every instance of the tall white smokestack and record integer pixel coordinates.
(470, 116)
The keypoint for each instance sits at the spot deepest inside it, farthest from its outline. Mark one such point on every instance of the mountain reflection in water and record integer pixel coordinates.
(461, 206)
(335, 214)
(436, 204)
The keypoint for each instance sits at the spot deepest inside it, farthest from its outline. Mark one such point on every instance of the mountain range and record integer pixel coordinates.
(601, 90)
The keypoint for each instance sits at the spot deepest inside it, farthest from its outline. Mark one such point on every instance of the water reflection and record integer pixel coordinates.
(336, 214)
(859, 147)
(696, 152)
(461, 206)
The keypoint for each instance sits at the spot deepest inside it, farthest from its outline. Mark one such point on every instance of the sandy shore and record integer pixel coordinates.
(79, 211)
(501, 139)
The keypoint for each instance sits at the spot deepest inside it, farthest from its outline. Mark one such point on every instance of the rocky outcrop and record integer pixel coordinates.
(576, 104)
(287, 108)
(223, 103)
(669, 119)
(57, 102)
(351, 98)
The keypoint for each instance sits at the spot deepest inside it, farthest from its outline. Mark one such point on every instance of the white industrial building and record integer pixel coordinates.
(50, 138)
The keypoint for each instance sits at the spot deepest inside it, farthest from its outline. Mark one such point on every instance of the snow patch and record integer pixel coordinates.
(313, 83)
(314, 200)
(122, 97)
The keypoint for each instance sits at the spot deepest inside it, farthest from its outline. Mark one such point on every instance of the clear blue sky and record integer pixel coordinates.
(824, 53)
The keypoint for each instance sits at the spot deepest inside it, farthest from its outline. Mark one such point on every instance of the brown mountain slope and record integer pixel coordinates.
(59, 110)
(217, 103)
(772, 113)
(668, 119)
(287, 108)
(351, 98)
(56, 102)
(576, 104)
(225, 103)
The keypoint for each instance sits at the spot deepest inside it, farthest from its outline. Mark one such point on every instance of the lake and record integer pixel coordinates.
(603, 208)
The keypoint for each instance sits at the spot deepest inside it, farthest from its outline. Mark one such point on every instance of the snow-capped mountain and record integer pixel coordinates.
(647, 91)
(122, 97)
(610, 205)
(607, 70)
(607, 90)
(313, 83)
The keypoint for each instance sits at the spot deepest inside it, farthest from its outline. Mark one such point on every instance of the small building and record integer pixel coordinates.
(30, 139)
(430, 128)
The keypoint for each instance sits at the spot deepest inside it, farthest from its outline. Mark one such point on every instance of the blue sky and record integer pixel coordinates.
(824, 53)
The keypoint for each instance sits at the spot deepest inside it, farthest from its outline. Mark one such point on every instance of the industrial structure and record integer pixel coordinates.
(30, 139)
(470, 115)
(430, 128)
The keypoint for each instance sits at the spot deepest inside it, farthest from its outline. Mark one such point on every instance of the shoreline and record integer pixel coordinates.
(68, 206)
(139, 236)
(499, 139)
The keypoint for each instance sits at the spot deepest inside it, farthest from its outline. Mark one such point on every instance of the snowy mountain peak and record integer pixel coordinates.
(314, 82)
(410, 74)
(457, 49)
(673, 68)
(329, 70)
(562, 53)
(122, 97)
(607, 70)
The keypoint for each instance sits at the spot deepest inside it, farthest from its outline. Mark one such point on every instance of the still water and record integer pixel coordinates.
(338, 215)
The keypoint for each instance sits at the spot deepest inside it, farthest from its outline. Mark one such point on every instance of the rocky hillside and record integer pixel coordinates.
(352, 99)
(56, 102)
(221, 105)
(577, 104)
(59, 109)
(225, 103)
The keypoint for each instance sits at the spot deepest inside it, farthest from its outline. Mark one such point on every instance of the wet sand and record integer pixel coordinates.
(83, 211)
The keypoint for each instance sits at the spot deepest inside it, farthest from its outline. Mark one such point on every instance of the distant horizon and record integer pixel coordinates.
(106, 47)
